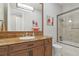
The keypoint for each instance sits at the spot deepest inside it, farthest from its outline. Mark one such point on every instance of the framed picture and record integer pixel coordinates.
(50, 21)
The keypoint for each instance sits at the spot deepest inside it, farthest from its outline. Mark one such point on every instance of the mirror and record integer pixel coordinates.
(1, 25)
(21, 18)
(3, 16)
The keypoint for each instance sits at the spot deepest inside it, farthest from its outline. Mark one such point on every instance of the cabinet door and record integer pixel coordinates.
(19, 53)
(3, 50)
(38, 51)
(48, 50)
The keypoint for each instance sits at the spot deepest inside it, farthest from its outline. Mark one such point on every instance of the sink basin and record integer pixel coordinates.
(27, 37)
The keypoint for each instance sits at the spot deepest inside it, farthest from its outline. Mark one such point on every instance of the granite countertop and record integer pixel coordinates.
(8, 41)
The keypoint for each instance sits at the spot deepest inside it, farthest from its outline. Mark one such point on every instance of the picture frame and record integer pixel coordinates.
(50, 21)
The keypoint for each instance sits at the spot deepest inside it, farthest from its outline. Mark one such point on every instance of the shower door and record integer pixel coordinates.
(68, 27)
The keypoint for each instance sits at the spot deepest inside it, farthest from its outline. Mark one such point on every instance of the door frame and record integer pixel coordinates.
(74, 9)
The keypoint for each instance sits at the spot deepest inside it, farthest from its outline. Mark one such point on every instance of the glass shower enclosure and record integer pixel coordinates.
(68, 27)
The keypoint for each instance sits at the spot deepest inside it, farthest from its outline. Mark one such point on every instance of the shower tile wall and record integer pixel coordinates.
(68, 27)
(65, 29)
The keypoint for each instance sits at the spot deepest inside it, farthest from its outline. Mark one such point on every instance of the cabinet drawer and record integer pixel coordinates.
(35, 43)
(19, 53)
(3, 50)
(16, 47)
(48, 41)
(25, 45)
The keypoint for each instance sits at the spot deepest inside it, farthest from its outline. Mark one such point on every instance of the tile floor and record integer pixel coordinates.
(69, 50)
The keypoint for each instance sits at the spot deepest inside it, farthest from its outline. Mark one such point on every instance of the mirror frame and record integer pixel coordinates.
(6, 12)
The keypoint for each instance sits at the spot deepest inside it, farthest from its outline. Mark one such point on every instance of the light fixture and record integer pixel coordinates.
(25, 7)
(70, 21)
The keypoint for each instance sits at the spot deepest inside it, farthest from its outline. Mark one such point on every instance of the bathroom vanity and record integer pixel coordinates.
(19, 24)
(40, 46)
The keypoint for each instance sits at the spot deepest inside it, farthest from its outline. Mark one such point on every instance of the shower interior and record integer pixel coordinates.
(68, 27)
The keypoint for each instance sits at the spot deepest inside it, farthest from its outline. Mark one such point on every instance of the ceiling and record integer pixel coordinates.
(36, 6)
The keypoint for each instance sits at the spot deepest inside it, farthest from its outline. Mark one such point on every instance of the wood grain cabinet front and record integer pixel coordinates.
(48, 47)
(19, 53)
(48, 50)
(17, 47)
(31, 48)
(38, 51)
(3, 50)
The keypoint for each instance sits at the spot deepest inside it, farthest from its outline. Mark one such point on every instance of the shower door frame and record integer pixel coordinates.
(63, 14)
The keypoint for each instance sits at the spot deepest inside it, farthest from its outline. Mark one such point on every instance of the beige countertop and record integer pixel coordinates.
(8, 41)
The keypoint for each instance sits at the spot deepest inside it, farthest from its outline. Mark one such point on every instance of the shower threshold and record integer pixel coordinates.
(70, 43)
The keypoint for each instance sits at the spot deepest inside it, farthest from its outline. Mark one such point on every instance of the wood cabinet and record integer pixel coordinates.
(38, 51)
(31, 48)
(19, 53)
(3, 50)
(48, 51)
(48, 47)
